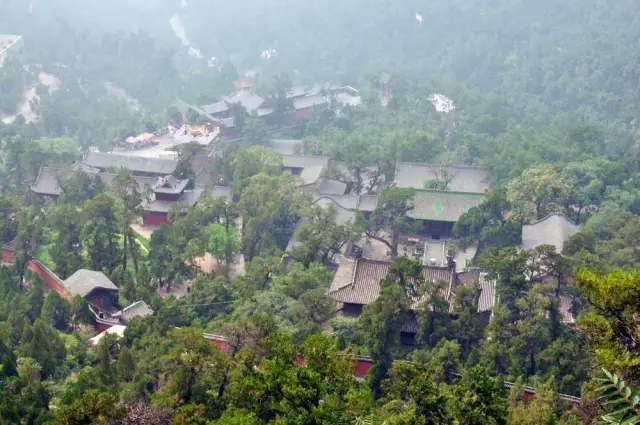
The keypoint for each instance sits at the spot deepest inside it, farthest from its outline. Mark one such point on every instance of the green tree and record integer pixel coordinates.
(56, 311)
(43, 344)
(93, 408)
(223, 242)
(255, 132)
(250, 162)
(100, 233)
(66, 251)
(488, 225)
(269, 382)
(390, 219)
(80, 187)
(126, 187)
(321, 235)
(26, 241)
(478, 399)
(536, 193)
(272, 207)
(541, 411)
(80, 312)
(126, 365)
(608, 323)
(381, 323)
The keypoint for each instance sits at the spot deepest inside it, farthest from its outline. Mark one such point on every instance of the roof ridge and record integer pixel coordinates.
(450, 192)
(551, 215)
(304, 156)
(354, 273)
(426, 164)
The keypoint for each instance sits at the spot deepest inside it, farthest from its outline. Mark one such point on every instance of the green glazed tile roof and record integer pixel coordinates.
(439, 205)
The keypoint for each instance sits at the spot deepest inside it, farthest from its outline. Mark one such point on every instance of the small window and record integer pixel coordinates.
(435, 237)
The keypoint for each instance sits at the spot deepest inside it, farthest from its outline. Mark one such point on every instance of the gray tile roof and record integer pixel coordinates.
(170, 185)
(486, 299)
(188, 197)
(47, 182)
(365, 203)
(220, 192)
(348, 202)
(312, 166)
(367, 174)
(368, 203)
(332, 187)
(309, 101)
(297, 91)
(465, 179)
(137, 309)
(440, 205)
(304, 161)
(554, 229)
(229, 122)
(250, 101)
(362, 286)
(215, 108)
(343, 216)
(262, 112)
(284, 147)
(133, 163)
(84, 281)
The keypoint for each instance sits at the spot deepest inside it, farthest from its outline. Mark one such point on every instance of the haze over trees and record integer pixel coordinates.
(544, 96)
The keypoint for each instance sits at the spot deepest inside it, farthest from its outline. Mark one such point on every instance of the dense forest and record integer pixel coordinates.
(546, 100)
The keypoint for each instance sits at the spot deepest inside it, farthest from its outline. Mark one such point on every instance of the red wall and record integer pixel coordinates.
(7, 256)
(300, 113)
(155, 219)
(50, 279)
(362, 364)
(220, 341)
(101, 327)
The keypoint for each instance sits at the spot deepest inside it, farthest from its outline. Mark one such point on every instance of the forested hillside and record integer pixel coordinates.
(237, 251)
(567, 55)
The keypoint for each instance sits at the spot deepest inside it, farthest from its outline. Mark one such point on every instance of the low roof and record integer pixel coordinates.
(343, 216)
(250, 101)
(114, 330)
(188, 197)
(84, 281)
(220, 192)
(463, 178)
(554, 229)
(309, 101)
(137, 309)
(362, 286)
(312, 166)
(332, 187)
(297, 91)
(365, 203)
(438, 205)
(303, 161)
(170, 185)
(367, 174)
(133, 163)
(215, 108)
(47, 182)
(283, 147)
(486, 297)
